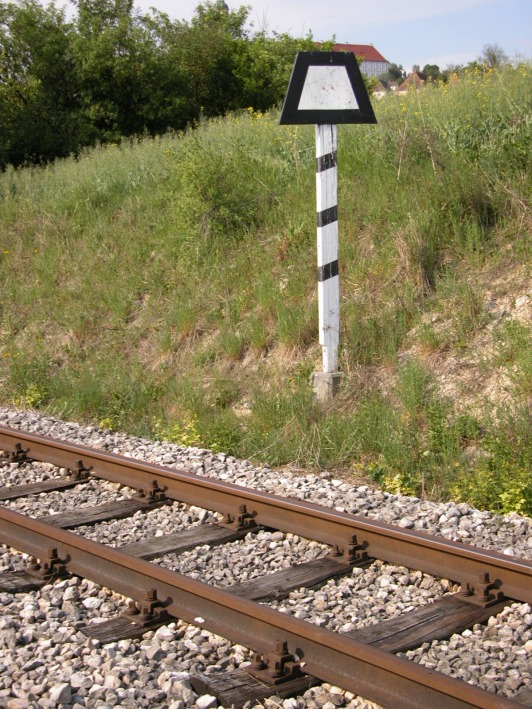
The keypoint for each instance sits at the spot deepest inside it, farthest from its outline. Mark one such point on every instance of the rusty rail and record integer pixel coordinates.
(485, 573)
(362, 669)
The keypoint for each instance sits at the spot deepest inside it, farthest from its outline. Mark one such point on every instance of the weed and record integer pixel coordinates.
(428, 338)
(257, 334)
(462, 307)
(184, 433)
(230, 343)
(514, 350)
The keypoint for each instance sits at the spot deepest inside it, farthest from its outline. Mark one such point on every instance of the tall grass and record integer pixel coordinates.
(167, 287)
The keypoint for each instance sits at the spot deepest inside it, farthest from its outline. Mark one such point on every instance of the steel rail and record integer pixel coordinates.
(392, 681)
(470, 566)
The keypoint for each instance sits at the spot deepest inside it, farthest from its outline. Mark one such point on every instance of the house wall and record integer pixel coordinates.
(374, 68)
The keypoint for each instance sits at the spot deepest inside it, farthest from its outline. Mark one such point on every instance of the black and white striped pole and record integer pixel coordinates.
(326, 88)
(327, 222)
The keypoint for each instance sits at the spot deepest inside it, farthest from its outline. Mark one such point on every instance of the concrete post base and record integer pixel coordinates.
(325, 384)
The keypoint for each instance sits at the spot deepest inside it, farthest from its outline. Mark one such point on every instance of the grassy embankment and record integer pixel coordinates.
(167, 287)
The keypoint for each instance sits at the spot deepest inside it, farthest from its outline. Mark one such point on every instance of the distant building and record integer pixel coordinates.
(412, 82)
(373, 63)
(379, 90)
(383, 87)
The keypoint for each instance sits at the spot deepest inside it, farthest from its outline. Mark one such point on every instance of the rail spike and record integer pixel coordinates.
(277, 667)
(18, 456)
(148, 612)
(49, 568)
(352, 553)
(155, 493)
(477, 591)
(79, 472)
(243, 520)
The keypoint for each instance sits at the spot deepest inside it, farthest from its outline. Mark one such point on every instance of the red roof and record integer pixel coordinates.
(366, 51)
(413, 79)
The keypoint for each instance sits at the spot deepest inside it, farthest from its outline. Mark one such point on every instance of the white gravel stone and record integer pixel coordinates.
(61, 693)
(111, 682)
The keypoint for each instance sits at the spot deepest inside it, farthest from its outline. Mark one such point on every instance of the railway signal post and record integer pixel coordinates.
(325, 89)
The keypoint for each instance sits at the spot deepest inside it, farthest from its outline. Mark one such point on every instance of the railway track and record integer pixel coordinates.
(289, 653)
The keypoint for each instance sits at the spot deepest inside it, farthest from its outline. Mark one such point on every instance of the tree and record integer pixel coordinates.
(430, 72)
(38, 88)
(493, 56)
(264, 66)
(396, 72)
(112, 72)
(115, 60)
(208, 53)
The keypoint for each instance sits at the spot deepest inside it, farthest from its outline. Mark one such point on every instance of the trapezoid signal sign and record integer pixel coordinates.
(326, 88)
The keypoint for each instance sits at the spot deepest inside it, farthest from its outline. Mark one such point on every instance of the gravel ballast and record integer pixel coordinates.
(45, 661)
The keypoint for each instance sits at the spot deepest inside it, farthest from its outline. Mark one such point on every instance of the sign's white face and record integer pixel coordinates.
(327, 88)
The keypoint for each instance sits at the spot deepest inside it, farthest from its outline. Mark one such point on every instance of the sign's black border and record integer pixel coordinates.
(291, 115)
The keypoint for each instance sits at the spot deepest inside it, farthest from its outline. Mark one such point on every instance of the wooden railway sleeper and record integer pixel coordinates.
(19, 456)
(477, 591)
(48, 569)
(277, 667)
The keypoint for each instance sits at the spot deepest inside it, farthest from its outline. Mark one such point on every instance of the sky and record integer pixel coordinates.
(442, 32)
